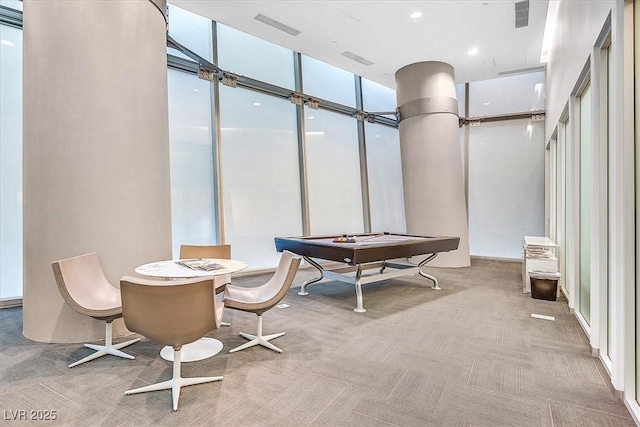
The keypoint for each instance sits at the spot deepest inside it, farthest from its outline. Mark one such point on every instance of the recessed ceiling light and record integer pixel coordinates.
(196, 90)
(415, 15)
(473, 51)
(257, 104)
(6, 43)
(310, 117)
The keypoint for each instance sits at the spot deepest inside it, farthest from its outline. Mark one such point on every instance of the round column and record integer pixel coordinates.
(95, 150)
(432, 169)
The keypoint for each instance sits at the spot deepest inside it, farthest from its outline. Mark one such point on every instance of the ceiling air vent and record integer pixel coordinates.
(357, 58)
(523, 70)
(279, 25)
(522, 14)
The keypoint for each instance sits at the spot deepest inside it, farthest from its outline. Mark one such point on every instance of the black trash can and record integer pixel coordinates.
(544, 284)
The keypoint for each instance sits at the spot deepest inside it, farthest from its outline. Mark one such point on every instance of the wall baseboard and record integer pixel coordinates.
(489, 258)
(10, 302)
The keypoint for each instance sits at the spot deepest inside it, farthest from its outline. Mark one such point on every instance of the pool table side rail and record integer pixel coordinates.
(313, 247)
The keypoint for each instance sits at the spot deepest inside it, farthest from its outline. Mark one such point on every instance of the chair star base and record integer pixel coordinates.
(263, 341)
(259, 339)
(174, 383)
(108, 348)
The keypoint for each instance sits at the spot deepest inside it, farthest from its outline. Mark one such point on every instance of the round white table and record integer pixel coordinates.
(204, 347)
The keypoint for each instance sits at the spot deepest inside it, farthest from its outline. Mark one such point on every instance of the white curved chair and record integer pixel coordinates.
(85, 289)
(262, 298)
(172, 312)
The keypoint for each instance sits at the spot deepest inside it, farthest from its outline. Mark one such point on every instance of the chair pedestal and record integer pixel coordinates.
(107, 348)
(174, 383)
(259, 339)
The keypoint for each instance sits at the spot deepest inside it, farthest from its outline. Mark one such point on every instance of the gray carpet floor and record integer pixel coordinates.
(467, 355)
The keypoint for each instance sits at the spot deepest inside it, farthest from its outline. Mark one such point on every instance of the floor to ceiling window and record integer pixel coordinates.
(10, 163)
(191, 30)
(506, 197)
(191, 138)
(386, 197)
(586, 188)
(193, 207)
(332, 152)
(384, 166)
(260, 173)
(328, 82)
(259, 159)
(333, 170)
(250, 56)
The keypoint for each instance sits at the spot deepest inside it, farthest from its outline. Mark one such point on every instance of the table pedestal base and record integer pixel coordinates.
(197, 350)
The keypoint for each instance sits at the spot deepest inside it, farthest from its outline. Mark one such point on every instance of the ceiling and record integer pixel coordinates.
(383, 33)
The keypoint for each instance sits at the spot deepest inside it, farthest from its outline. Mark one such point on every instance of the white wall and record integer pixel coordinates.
(578, 26)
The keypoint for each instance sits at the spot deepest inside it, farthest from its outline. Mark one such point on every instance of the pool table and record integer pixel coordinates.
(365, 251)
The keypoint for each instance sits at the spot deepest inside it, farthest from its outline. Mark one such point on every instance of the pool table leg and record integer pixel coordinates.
(428, 276)
(359, 305)
(303, 288)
